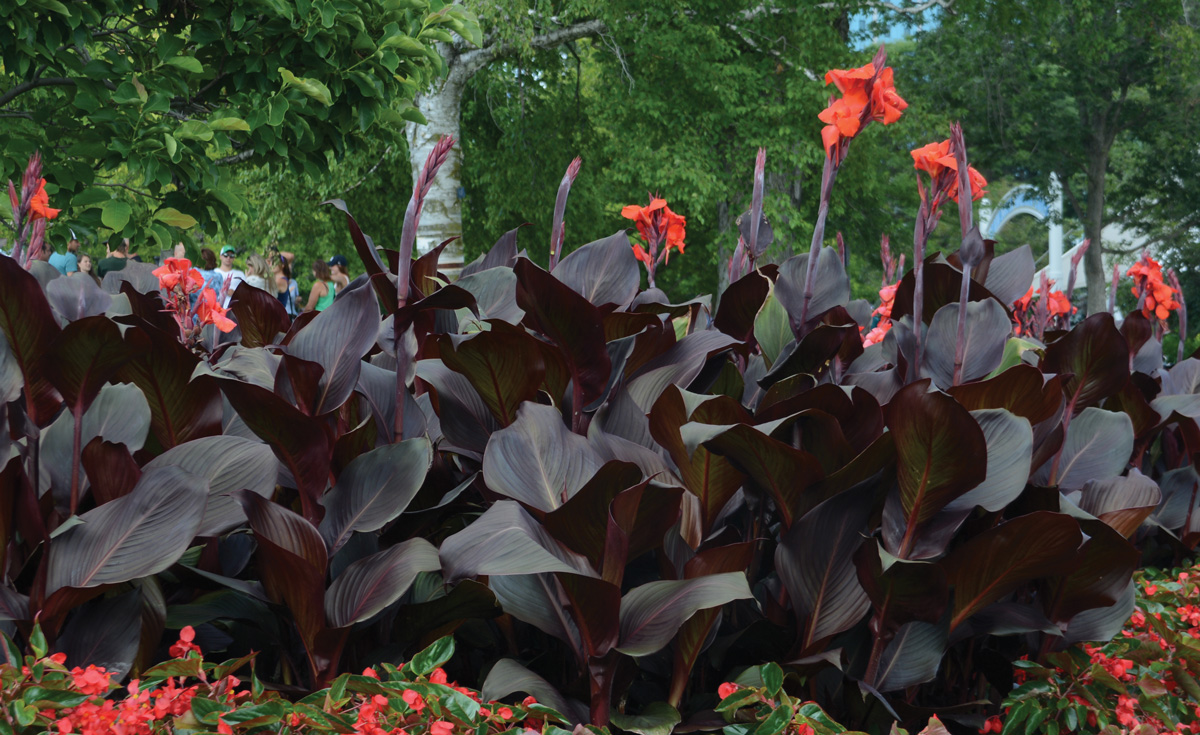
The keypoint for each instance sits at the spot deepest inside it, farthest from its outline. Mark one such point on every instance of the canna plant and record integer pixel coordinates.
(616, 501)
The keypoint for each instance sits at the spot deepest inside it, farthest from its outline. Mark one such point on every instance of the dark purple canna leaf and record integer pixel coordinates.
(998, 561)
(943, 284)
(102, 633)
(573, 324)
(300, 442)
(678, 366)
(582, 523)
(229, 463)
(1097, 576)
(134, 536)
(1009, 275)
(259, 315)
(1009, 455)
(987, 329)
(298, 382)
(369, 585)
(740, 305)
(374, 490)
(603, 272)
(1019, 389)
(537, 460)
(539, 600)
(710, 477)
(180, 408)
(503, 365)
(507, 676)
(1102, 623)
(1121, 502)
(84, 356)
(293, 560)
(507, 540)
(815, 560)
(781, 470)
(112, 471)
(336, 340)
(1093, 355)
(502, 255)
(466, 420)
(593, 605)
(424, 274)
(912, 657)
(27, 321)
(651, 614)
(75, 298)
(495, 292)
(1098, 446)
(940, 451)
(831, 286)
(900, 591)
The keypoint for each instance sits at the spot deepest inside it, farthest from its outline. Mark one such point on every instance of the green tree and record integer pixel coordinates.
(141, 108)
(1100, 92)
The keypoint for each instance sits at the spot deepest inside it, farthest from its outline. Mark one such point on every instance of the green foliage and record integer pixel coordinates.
(140, 108)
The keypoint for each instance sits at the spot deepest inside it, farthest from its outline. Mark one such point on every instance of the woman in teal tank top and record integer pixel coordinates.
(322, 292)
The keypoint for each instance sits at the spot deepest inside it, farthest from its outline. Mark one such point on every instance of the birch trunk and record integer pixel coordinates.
(441, 217)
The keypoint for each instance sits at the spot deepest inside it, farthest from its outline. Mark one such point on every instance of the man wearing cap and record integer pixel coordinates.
(230, 276)
(339, 269)
(66, 263)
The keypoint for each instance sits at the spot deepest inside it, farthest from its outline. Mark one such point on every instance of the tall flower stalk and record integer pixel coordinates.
(558, 229)
(408, 238)
(31, 210)
(941, 162)
(868, 94)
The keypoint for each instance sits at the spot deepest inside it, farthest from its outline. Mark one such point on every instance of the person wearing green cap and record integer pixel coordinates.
(230, 276)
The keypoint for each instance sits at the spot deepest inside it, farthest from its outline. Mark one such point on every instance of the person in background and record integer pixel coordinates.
(339, 272)
(286, 288)
(322, 292)
(66, 263)
(230, 277)
(257, 271)
(117, 258)
(208, 268)
(85, 267)
(180, 251)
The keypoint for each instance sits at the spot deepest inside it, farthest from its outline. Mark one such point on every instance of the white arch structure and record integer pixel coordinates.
(1025, 199)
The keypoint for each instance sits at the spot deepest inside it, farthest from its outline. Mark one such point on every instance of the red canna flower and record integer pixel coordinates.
(659, 227)
(209, 311)
(39, 204)
(1157, 299)
(178, 272)
(868, 93)
(937, 160)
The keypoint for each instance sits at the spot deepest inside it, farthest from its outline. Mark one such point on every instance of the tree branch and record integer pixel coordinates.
(245, 155)
(128, 188)
(475, 59)
(24, 87)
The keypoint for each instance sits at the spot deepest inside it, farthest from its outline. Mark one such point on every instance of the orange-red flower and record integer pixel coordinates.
(868, 93)
(937, 160)
(658, 226)
(179, 272)
(1159, 298)
(209, 311)
(39, 204)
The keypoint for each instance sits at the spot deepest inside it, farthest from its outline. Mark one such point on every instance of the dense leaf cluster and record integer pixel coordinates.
(139, 106)
(593, 486)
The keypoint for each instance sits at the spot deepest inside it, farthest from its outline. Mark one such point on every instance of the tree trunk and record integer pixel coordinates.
(441, 216)
(1093, 223)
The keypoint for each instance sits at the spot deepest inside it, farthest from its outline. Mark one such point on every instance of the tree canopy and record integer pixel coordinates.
(1101, 92)
(141, 108)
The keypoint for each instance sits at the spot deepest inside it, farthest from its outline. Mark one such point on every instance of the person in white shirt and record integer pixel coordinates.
(230, 276)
